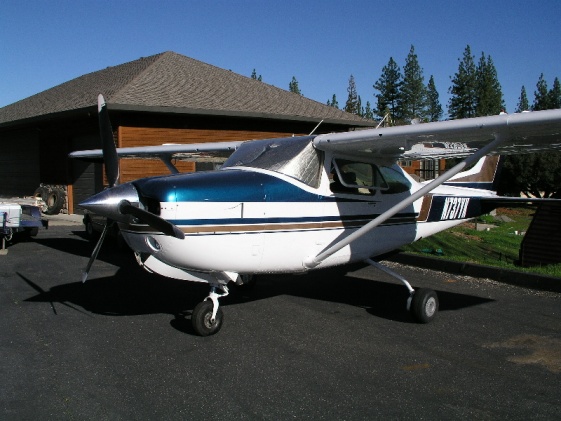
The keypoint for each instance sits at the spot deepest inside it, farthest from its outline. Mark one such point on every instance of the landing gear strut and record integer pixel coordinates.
(423, 303)
(207, 316)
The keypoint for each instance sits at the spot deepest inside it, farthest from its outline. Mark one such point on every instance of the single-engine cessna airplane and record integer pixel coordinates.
(295, 204)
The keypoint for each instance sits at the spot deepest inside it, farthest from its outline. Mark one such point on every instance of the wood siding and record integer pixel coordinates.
(542, 243)
(132, 169)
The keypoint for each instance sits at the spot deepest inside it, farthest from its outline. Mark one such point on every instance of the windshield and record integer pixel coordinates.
(292, 156)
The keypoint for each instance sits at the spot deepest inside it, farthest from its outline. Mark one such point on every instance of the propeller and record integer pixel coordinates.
(150, 219)
(111, 161)
(107, 203)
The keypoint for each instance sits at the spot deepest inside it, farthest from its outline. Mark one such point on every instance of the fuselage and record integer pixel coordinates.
(251, 219)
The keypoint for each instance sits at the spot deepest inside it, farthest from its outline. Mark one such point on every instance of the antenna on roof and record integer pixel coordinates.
(312, 132)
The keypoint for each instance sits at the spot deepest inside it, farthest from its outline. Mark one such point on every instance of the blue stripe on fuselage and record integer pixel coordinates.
(223, 186)
(350, 219)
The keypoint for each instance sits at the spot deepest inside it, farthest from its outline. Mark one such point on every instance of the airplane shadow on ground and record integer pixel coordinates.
(133, 291)
(80, 245)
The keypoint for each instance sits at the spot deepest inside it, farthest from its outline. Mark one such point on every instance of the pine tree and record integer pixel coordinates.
(352, 105)
(434, 109)
(360, 108)
(489, 96)
(293, 86)
(389, 84)
(368, 113)
(254, 76)
(555, 95)
(413, 92)
(333, 103)
(523, 104)
(536, 174)
(541, 95)
(463, 100)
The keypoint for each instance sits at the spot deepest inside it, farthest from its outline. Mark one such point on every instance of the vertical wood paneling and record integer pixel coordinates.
(132, 169)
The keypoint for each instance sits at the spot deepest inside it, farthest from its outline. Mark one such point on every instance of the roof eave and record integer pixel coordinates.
(90, 110)
(234, 113)
(48, 117)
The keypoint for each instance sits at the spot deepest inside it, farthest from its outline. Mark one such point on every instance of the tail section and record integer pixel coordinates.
(484, 175)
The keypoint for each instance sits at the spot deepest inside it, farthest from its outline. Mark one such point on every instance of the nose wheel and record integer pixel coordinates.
(207, 316)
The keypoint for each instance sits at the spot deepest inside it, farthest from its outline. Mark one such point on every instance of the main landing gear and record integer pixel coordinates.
(207, 316)
(422, 303)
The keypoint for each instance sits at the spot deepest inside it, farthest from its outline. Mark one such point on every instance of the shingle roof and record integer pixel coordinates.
(170, 82)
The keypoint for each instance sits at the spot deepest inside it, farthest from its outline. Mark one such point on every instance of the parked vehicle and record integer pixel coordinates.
(19, 219)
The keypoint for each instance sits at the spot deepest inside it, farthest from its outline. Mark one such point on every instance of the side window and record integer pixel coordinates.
(397, 183)
(356, 178)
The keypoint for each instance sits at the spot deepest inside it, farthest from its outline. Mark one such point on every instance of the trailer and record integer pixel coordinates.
(19, 219)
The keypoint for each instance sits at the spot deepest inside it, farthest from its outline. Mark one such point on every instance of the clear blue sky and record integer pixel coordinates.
(321, 43)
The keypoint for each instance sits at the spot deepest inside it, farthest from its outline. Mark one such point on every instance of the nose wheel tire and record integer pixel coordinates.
(424, 305)
(202, 319)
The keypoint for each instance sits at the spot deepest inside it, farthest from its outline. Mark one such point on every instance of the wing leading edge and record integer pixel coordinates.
(519, 133)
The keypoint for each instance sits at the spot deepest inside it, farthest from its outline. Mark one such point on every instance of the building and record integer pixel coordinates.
(165, 98)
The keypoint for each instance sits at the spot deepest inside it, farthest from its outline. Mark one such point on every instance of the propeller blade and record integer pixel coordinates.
(95, 251)
(110, 156)
(152, 220)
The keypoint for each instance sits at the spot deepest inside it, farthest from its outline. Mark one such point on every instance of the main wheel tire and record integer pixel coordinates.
(201, 319)
(424, 305)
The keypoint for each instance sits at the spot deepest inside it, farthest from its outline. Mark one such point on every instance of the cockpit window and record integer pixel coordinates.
(293, 156)
(356, 177)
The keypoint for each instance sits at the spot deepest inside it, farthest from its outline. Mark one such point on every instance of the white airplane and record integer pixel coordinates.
(296, 204)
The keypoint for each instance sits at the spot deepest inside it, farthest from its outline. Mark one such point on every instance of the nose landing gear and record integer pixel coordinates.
(207, 316)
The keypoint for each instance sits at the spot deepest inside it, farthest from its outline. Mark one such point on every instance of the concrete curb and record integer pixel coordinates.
(508, 276)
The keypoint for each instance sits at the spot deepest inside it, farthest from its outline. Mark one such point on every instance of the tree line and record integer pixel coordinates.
(402, 95)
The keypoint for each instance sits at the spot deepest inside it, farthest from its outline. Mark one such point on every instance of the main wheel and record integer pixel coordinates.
(424, 305)
(201, 319)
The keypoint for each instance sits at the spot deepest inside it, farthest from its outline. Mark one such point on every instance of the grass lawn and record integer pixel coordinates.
(496, 246)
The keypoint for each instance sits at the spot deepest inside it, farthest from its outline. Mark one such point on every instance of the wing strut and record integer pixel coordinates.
(166, 159)
(312, 262)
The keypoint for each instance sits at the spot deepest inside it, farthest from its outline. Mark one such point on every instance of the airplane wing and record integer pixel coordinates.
(207, 152)
(192, 151)
(519, 133)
